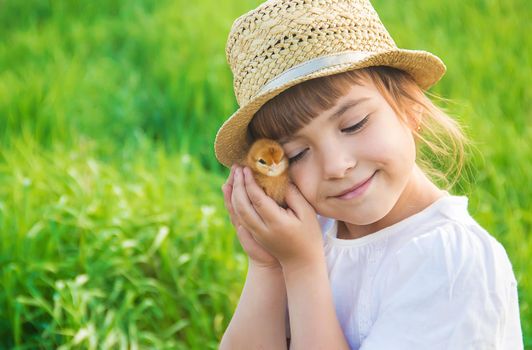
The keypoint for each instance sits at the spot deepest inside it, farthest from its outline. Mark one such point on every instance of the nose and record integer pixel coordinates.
(337, 160)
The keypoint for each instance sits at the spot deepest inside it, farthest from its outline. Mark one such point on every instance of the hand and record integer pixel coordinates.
(292, 235)
(257, 254)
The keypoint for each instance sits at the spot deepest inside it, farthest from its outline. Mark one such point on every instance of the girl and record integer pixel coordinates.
(370, 253)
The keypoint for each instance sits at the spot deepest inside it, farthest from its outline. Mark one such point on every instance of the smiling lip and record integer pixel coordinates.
(356, 190)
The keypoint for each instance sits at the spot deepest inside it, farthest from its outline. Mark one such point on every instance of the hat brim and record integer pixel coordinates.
(231, 144)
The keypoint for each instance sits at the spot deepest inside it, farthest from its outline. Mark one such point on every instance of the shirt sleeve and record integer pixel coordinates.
(448, 289)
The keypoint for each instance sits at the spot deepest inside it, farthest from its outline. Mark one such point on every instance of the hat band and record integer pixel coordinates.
(314, 65)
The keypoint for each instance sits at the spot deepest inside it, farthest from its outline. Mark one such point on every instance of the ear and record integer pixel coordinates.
(412, 117)
(417, 115)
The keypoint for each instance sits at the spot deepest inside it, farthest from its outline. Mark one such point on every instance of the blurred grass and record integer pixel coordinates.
(112, 228)
(122, 67)
(119, 254)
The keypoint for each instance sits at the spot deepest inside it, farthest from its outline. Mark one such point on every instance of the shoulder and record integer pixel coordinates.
(455, 248)
(455, 256)
(449, 239)
(452, 285)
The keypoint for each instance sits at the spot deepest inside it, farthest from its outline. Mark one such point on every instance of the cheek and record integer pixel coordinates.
(306, 181)
(394, 146)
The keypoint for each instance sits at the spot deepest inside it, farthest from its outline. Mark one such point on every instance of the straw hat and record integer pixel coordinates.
(282, 43)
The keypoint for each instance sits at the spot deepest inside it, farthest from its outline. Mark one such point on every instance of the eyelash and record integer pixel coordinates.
(349, 130)
(357, 126)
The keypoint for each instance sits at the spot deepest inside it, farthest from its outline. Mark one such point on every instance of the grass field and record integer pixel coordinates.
(113, 233)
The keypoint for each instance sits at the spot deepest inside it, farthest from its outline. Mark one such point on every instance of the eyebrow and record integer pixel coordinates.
(341, 110)
(347, 105)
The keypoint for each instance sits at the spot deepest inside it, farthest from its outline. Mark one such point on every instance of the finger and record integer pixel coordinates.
(228, 205)
(227, 190)
(242, 206)
(229, 181)
(251, 246)
(265, 206)
(244, 236)
(295, 201)
(230, 178)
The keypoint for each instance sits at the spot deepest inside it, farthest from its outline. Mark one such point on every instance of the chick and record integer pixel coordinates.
(269, 165)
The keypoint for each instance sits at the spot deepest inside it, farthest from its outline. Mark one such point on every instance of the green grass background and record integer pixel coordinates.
(113, 233)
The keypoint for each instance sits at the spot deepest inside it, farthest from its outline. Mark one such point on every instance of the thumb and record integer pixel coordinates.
(295, 200)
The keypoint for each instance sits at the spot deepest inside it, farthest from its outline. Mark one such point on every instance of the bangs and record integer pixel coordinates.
(288, 112)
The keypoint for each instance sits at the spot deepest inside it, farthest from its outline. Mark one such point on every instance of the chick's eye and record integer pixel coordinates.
(262, 161)
(357, 126)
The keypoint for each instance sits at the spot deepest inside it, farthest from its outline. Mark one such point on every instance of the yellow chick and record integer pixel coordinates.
(269, 165)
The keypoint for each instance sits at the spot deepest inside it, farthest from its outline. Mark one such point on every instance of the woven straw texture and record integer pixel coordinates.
(279, 36)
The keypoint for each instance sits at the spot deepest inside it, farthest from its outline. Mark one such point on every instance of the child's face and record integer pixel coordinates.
(334, 157)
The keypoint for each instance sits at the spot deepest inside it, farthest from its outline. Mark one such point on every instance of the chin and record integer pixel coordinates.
(364, 220)
(365, 214)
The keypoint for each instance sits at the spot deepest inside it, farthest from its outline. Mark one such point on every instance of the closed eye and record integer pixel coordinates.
(297, 157)
(357, 126)
(349, 130)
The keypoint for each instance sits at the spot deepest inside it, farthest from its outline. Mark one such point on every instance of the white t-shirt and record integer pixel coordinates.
(435, 280)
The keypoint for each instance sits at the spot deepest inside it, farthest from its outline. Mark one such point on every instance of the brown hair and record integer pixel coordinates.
(440, 142)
